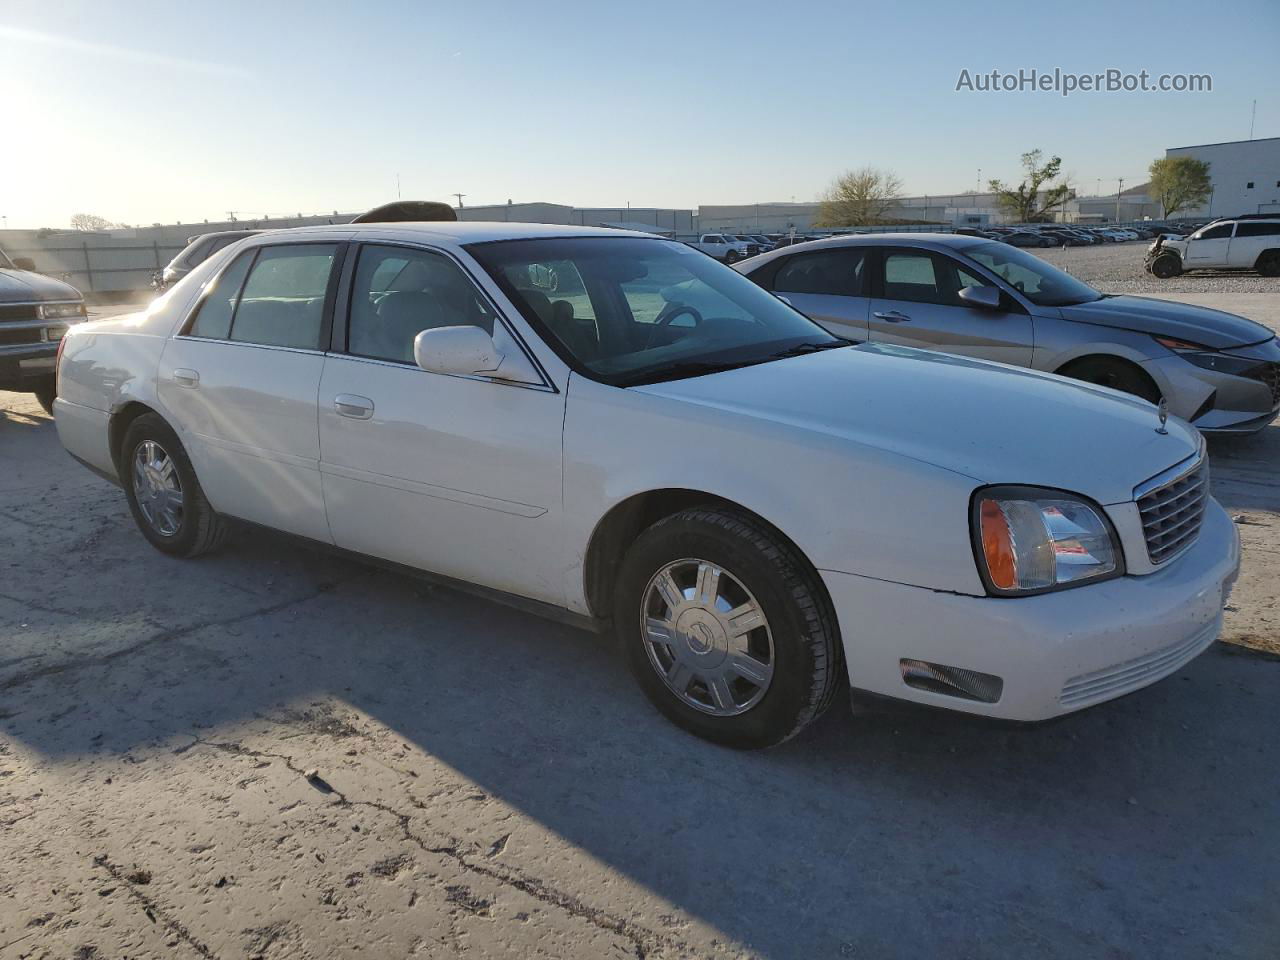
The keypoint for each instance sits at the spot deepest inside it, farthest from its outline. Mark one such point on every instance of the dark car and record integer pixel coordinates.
(197, 251)
(35, 312)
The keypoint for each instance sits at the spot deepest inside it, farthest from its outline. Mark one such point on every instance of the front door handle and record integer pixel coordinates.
(350, 405)
(186, 378)
(893, 316)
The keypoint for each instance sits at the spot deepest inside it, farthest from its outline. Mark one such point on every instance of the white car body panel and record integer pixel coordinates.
(866, 458)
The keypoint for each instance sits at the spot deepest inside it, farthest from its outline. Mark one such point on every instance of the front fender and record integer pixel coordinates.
(849, 507)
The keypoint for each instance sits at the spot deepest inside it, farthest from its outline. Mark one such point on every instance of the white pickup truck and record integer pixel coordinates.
(725, 247)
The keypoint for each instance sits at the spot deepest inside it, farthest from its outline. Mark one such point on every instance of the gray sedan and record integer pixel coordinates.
(982, 298)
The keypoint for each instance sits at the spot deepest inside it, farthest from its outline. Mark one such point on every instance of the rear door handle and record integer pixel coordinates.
(893, 316)
(186, 378)
(355, 407)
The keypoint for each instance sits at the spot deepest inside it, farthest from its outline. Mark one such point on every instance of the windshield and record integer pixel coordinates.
(1038, 281)
(627, 311)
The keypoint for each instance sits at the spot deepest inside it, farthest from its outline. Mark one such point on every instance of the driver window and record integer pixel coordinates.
(1220, 232)
(924, 277)
(399, 292)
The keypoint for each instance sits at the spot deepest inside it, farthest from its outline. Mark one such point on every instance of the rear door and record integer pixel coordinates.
(1251, 239)
(240, 380)
(1210, 246)
(917, 303)
(830, 286)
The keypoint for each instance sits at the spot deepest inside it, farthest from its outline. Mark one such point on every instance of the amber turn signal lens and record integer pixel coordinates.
(997, 546)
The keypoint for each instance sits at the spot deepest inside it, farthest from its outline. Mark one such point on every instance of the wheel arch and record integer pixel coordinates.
(118, 425)
(1265, 255)
(626, 520)
(1064, 369)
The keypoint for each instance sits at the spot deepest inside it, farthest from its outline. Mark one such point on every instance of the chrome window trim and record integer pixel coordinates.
(403, 365)
(248, 343)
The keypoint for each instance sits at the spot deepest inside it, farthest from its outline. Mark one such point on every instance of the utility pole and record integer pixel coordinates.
(1252, 117)
(978, 186)
(1119, 187)
(397, 186)
(459, 196)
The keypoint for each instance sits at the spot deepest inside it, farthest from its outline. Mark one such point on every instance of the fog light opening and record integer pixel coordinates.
(951, 681)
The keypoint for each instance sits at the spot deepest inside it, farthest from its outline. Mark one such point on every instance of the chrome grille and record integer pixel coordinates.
(1172, 512)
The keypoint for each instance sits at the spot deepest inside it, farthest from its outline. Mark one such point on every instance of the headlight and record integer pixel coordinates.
(61, 311)
(1033, 539)
(1211, 359)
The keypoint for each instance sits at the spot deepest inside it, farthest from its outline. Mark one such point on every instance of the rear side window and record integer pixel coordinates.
(282, 304)
(1258, 230)
(214, 317)
(838, 273)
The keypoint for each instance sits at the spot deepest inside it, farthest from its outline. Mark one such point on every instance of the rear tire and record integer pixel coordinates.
(1114, 373)
(45, 392)
(791, 656)
(1269, 264)
(1165, 266)
(164, 495)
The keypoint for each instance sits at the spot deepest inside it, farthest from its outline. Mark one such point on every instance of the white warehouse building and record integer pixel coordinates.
(1245, 175)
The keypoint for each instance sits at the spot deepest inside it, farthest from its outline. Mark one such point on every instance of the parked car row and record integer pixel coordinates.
(1060, 235)
(614, 429)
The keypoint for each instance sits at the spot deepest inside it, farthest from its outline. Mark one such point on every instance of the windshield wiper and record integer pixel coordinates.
(690, 368)
(801, 349)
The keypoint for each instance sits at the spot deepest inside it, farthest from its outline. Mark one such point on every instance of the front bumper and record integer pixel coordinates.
(1217, 402)
(1056, 652)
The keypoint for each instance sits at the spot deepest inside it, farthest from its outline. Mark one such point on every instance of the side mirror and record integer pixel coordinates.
(24, 263)
(467, 351)
(981, 298)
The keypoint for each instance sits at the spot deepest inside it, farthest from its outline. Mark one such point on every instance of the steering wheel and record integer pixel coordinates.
(673, 310)
(669, 313)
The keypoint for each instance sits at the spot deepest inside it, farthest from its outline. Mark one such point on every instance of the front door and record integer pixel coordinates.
(240, 383)
(918, 304)
(1211, 246)
(457, 475)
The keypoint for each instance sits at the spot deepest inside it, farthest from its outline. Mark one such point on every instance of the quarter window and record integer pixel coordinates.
(282, 304)
(399, 292)
(213, 319)
(838, 273)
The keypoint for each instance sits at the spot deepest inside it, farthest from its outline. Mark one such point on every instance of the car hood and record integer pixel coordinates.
(991, 422)
(1184, 321)
(23, 286)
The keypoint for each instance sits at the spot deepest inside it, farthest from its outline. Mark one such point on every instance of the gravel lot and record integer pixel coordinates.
(488, 784)
(1120, 268)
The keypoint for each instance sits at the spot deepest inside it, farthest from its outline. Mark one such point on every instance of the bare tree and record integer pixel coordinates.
(859, 198)
(1025, 203)
(91, 221)
(1180, 183)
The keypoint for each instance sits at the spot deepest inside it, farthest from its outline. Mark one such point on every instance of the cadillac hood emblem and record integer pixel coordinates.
(1162, 412)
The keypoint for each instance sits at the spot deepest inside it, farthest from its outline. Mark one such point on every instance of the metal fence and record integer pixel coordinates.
(95, 268)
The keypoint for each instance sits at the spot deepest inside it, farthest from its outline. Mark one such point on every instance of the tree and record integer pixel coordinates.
(1024, 203)
(1180, 183)
(91, 221)
(859, 198)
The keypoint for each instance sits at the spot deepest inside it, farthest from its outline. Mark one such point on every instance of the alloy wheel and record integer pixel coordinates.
(157, 488)
(707, 637)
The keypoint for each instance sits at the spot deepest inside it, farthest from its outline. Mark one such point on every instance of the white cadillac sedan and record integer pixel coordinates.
(618, 429)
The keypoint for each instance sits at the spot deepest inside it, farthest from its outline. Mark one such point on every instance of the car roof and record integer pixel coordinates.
(908, 239)
(459, 232)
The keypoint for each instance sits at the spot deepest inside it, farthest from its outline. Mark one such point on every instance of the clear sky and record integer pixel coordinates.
(144, 112)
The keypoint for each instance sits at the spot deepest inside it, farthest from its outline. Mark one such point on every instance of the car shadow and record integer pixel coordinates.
(869, 835)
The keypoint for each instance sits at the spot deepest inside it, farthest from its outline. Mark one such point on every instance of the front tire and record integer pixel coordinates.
(1114, 373)
(726, 629)
(164, 495)
(46, 391)
(731, 257)
(1165, 266)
